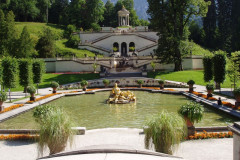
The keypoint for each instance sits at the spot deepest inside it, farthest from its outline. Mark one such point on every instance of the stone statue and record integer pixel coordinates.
(119, 97)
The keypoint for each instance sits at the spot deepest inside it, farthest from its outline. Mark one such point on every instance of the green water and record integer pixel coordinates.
(92, 112)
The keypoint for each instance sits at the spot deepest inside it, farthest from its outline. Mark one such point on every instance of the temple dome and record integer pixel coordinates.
(123, 11)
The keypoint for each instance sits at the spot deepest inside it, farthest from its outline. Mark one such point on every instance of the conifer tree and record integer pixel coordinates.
(224, 24)
(2, 33)
(46, 44)
(236, 25)
(11, 34)
(210, 25)
(108, 15)
(26, 46)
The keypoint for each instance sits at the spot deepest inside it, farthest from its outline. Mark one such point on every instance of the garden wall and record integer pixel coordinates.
(55, 66)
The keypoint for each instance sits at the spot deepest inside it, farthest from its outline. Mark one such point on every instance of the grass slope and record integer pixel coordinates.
(62, 79)
(185, 76)
(35, 29)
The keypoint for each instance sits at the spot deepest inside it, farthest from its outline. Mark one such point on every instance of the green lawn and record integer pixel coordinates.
(185, 76)
(61, 48)
(35, 29)
(62, 79)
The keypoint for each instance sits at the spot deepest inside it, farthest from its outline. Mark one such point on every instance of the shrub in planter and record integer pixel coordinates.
(3, 98)
(31, 90)
(192, 112)
(161, 83)
(84, 84)
(210, 89)
(106, 82)
(165, 131)
(190, 83)
(54, 85)
(140, 82)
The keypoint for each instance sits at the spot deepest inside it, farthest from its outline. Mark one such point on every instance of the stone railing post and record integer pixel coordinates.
(235, 128)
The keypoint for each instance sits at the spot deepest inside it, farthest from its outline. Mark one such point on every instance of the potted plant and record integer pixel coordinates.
(140, 82)
(161, 83)
(162, 125)
(84, 84)
(190, 83)
(31, 90)
(236, 93)
(106, 82)
(54, 85)
(153, 66)
(3, 98)
(94, 67)
(210, 89)
(192, 112)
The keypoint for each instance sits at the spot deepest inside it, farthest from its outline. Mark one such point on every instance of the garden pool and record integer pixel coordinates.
(92, 112)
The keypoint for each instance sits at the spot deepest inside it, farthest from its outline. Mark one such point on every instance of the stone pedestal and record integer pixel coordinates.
(209, 95)
(32, 98)
(237, 104)
(191, 131)
(235, 128)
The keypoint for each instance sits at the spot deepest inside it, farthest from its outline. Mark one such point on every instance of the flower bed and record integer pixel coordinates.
(205, 135)
(43, 97)
(11, 108)
(19, 137)
(204, 96)
(228, 104)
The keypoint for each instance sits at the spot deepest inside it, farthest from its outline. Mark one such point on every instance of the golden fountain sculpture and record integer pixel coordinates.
(120, 97)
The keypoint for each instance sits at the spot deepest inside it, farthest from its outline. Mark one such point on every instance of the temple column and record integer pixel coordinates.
(128, 20)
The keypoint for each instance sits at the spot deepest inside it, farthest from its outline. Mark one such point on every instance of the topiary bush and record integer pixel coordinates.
(191, 82)
(38, 70)
(139, 82)
(161, 81)
(219, 72)
(25, 73)
(210, 86)
(54, 84)
(84, 83)
(31, 89)
(208, 68)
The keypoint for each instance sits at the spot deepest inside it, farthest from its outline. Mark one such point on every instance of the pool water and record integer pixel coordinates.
(92, 112)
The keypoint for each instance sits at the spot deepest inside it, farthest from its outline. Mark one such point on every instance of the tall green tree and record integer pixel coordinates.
(25, 73)
(46, 44)
(233, 68)
(219, 68)
(10, 34)
(58, 12)
(2, 32)
(224, 24)
(170, 19)
(26, 46)
(25, 10)
(208, 68)
(210, 25)
(108, 15)
(96, 10)
(76, 13)
(9, 73)
(235, 25)
(4, 4)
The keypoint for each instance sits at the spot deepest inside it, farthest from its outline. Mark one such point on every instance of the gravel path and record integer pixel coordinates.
(212, 149)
